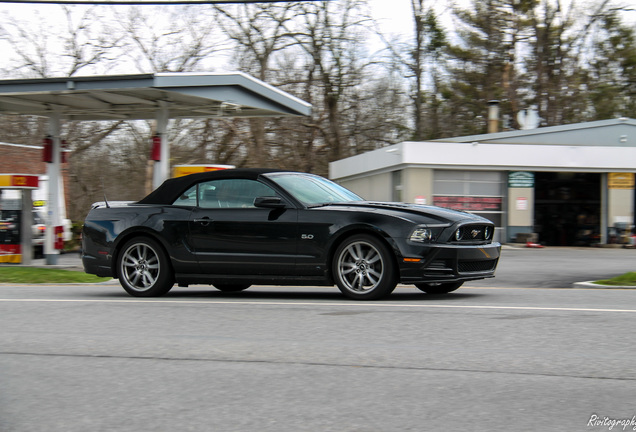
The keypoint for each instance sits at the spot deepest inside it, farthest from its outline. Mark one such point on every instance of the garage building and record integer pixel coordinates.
(569, 185)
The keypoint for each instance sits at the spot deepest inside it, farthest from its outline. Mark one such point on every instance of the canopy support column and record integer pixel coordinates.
(53, 171)
(162, 166)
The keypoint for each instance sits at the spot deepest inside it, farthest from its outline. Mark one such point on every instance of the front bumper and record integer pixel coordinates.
(451, 263)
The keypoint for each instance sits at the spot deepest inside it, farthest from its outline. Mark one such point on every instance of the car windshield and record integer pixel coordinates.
(313, 190)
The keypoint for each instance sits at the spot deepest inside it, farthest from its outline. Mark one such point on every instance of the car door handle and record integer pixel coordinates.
(205, 221)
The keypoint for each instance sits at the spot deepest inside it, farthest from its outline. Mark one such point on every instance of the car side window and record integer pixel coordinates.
(188, 198)
(231, 193)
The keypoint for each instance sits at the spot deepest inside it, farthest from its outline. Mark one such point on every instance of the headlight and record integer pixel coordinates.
(458, 234)
(421, 235)
(487, 233)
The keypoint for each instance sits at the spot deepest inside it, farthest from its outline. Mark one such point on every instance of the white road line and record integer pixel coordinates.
(320, 304)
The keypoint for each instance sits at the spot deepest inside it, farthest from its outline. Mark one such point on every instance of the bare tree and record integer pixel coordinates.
(115, 169)
(315, 51)
(259, 32)
(169, 39)
(41, 49)
(332, 35)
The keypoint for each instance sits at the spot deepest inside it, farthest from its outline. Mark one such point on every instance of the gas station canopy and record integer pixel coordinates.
(130, 97)
(159, 97)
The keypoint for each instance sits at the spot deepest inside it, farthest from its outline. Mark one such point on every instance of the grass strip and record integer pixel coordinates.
(33, 275)
(627, 279)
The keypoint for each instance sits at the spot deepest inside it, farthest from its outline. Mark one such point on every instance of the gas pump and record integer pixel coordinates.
(10, 227)
(16, 218)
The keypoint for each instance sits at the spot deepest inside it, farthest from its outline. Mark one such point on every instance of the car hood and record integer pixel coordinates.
(414, 212)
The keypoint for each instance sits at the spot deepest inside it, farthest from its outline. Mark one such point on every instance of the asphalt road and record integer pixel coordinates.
(90, 358)
(555, 267)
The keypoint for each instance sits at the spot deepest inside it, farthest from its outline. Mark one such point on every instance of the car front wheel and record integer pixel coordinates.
(364, 269)
(144, 269)
(439, 288)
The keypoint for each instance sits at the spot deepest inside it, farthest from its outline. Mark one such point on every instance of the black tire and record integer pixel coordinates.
(439, 288)
(364, 268)
(144, 269)
(232, 287)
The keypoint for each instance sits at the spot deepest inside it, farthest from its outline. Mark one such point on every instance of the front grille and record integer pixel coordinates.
(473, 233)
(476, 266)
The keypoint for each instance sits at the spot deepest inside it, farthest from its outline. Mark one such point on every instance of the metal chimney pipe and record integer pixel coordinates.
(493, 116)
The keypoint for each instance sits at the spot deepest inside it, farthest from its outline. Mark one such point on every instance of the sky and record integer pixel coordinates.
(396, 14)
(393, 16)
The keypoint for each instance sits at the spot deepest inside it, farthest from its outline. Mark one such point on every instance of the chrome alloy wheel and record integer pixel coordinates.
(144, 269)
(140, 266)
(364, 267)
(360, 267)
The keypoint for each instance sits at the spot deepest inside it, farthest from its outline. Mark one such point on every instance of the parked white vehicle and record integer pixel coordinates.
(41, 212)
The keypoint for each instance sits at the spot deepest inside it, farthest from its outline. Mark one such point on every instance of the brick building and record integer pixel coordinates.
(27, 159)
(21, 159)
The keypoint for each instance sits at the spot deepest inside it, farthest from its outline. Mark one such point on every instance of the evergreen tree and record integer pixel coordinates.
(485, 64)
(612, 84)
(553, 67)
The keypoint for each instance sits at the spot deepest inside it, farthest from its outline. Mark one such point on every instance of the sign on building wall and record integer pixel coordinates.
(522, 204)
(468, 203)
(520, 179)
(620, 180)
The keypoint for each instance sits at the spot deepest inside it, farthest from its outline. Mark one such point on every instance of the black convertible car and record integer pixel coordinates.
(235, 228)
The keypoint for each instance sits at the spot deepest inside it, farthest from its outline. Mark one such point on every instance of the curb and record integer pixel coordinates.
(592, 285)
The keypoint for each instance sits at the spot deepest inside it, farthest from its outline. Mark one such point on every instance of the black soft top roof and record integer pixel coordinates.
(169, 190)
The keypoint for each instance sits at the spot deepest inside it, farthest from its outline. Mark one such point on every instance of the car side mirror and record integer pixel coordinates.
(271, 202)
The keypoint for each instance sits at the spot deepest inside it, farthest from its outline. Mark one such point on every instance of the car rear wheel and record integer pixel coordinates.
(364, 269)
(439, 288)
(144, 269)
(232, 287)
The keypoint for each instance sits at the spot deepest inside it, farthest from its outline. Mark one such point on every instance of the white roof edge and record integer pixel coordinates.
(540, 130)
(480, 156)
(275, 89)
(229, 75)
(31, 146)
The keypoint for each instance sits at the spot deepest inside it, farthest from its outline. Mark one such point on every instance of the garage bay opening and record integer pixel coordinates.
(568, 208)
